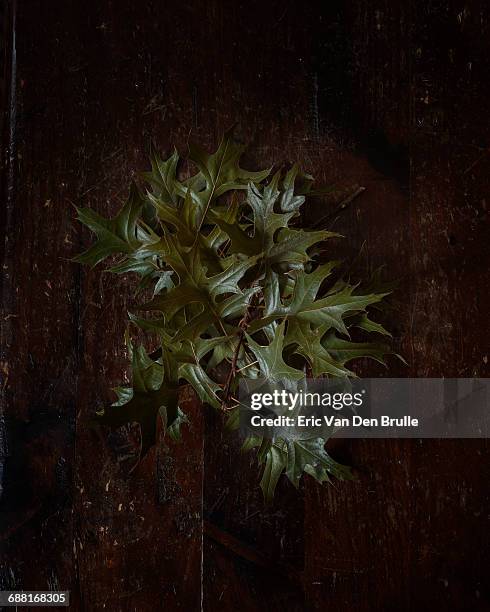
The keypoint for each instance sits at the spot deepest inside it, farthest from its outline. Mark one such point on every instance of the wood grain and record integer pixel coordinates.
(390, 96)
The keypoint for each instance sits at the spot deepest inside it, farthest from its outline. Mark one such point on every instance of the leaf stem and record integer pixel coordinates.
(233, 369)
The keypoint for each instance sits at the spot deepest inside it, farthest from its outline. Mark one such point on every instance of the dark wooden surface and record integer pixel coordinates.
(389, 95)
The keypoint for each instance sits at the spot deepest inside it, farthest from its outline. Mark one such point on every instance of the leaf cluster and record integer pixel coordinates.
(234, 289)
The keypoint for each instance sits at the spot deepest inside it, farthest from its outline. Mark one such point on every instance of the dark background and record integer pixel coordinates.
(392, 96)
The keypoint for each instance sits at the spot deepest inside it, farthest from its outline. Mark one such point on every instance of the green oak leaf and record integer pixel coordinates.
(363, 321)
(291, 201)
(344, 350)
(308, 341)
(196, 286)
(266, 221)
(205, 387)
(270, 358)
(275, 464)
(292, 245)
(295, 457)
(114, 236)
(311, 457)
(219, 173)
(193, 371)
(218, 316)
(163, 178)
(331, 309)
(142, 402)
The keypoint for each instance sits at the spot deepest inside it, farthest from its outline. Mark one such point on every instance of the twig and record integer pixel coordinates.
(340, 208)
(233, 369)
(247, 366)
(232, 372)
